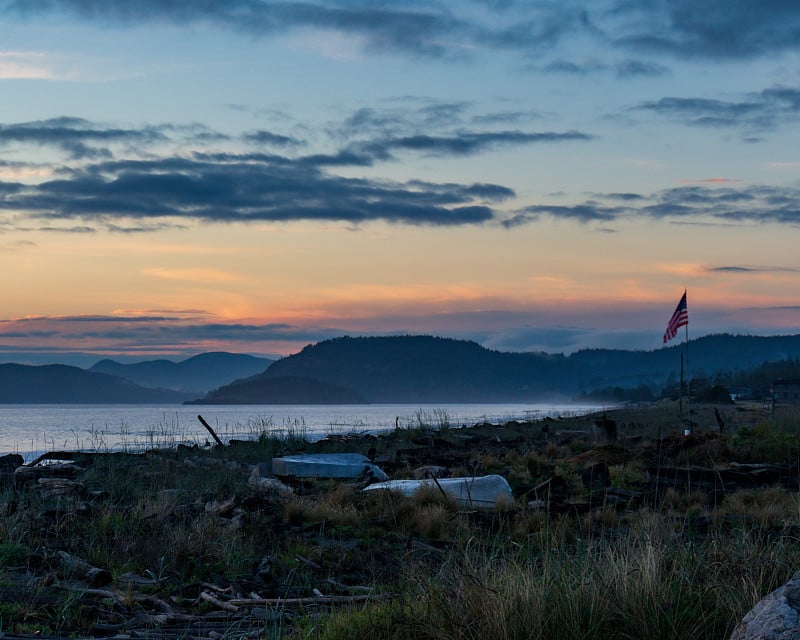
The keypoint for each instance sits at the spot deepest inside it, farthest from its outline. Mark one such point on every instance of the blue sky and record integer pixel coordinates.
(253, 176)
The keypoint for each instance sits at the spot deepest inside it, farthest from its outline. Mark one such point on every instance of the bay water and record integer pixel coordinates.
(34, 429)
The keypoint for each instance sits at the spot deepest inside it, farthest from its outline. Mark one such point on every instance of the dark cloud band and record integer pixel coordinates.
(229, 188)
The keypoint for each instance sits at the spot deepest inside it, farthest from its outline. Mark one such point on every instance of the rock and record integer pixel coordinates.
(60, 487)
(220, 508)
(269, 485)
(776, 617)
(11, 462)
(537, 505)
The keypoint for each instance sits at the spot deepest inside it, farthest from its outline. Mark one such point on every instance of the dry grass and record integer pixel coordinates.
(581, 570)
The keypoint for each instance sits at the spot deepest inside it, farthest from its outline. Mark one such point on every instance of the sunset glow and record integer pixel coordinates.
(534, 176)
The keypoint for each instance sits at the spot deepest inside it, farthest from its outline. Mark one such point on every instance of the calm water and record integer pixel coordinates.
(33, 429)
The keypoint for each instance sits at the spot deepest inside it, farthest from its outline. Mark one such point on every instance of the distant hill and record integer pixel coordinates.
(407, 369)
(425, 369)
(62, 384)
(281, 390)
(195, 376)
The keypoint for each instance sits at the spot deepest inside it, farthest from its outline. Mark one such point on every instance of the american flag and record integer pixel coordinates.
(679, 319)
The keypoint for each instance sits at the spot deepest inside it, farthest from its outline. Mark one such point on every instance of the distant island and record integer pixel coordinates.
(194, 376)
(427, 369)
(109, 382)
(413, 369)
(62, 384)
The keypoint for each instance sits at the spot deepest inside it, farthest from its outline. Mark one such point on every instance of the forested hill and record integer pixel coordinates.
(195, 375)
(424, 369)
(708, 356)
(62, 384)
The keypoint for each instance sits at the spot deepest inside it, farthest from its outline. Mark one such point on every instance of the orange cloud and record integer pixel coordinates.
(193, 274)
(711, 181)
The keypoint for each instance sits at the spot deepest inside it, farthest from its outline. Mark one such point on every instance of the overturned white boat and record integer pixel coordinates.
(480, 492)
(327, 465)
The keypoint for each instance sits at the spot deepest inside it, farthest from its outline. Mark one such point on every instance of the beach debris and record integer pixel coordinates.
(268, 485)
(327, 465)
(482, 492)
(210, 430)
(430, 471)
(11, 462)
(60, 488)
(132, 580)
(93, 576)
(27, 474)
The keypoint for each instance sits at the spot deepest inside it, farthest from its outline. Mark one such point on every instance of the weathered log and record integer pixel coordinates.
(94, 576)
(31, 474)
(222, 604)
(210, 430)
(265, 602)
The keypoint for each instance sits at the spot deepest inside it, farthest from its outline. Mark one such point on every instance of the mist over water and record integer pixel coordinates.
(33, 429)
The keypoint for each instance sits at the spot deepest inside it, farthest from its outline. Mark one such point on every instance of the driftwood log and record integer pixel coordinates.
(93, 576)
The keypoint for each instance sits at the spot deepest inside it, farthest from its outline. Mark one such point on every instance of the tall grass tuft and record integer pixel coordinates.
(656, 582)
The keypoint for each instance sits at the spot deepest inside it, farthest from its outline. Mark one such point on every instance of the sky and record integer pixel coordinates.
(254, 176)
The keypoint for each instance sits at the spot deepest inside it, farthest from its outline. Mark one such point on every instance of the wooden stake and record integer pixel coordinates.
(210, 430)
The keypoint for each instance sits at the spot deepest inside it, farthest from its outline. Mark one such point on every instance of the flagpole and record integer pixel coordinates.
(688, 430)
(680, 318)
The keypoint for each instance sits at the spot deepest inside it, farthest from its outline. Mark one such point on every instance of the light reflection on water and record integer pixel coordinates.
(33, 429)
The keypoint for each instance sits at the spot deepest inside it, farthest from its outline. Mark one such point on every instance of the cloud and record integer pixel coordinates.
(371, 122)
(684, 29)
(588, 212)
(28, 65)
(267, 138)
(72, 229)
(435, 128)
(623, 69)
(467, 142)
(715, 29)
(639, 68)
(382, 27)
(193, 275)
(148, 191)
(76, 136)
(712, 181)
(569, 67)
(249, 188)
(143, 332)
(418, 29)
(762, 110)
(699, 203)
(736, 269)
(704, 112)
(505, 117)
(364, 138)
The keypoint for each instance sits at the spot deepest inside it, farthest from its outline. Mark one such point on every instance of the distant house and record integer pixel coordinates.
(786, 392)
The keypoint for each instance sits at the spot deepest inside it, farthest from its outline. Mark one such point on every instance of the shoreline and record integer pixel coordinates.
(117, 427)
